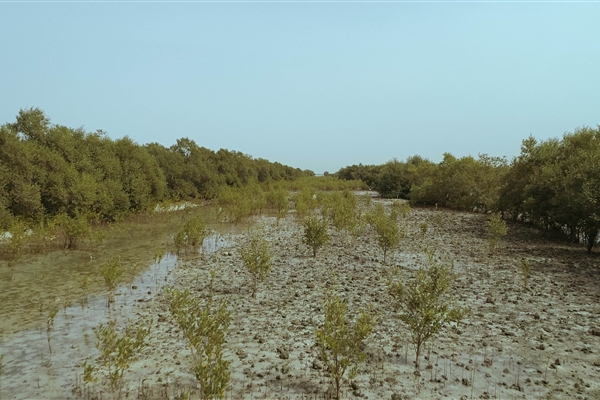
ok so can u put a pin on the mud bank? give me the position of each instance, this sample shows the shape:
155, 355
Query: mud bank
534, 341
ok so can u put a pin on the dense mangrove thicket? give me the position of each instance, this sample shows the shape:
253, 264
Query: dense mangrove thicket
554, 184
48, 170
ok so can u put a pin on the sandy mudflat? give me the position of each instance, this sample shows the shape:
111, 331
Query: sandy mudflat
535, 342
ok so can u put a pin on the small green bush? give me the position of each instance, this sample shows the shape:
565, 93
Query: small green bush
18, 239
423, 227
117, 353
305, 201
388, 235
496, 228
73, 229
191, 234
525, 268
278, 199
257, 257
111, 272
400, 208
315, 233
340, 342
425, 301
204, 326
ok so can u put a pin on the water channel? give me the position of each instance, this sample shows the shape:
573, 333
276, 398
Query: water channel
44, 357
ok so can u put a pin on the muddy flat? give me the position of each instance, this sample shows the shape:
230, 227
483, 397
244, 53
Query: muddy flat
539, 340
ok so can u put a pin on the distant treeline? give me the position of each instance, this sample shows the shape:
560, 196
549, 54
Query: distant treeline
554, 184
48, 170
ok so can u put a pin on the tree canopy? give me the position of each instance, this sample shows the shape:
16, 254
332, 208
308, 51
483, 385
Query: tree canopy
48, 169
554, 184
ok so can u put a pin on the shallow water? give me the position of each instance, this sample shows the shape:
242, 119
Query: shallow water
42, 362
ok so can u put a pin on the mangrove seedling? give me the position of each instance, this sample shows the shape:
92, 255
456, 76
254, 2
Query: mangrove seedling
191, 235
74, 230
340, 342
257, 257
423, 227
159, 253
50, 325
89, 375
425, 302
117, 352
525, 268
111, 271
204, 327
315, 233
496, 228
278, 199
387, 233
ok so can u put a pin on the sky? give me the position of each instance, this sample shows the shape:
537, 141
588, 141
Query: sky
315, 85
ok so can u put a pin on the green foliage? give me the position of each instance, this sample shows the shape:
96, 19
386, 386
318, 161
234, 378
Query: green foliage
89, 373
257, 257
554, 185
375, 213
234, 206
425, 302
464, 183
48, 170
496, 228
393, 180
117, 353
204, 326
50, 325
305, 201
386, 230
423, 227
159, 254
341, 208
315, 233
19, 236
111, 272
278, 199
340, 342
525, 268
191, 234
73, 230
6, 218
400, 208
324, 183
237, 204
369, 174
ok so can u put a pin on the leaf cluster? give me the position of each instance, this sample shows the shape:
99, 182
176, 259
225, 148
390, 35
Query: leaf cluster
424, 301
111, 272
315, 233
496, 228
204, 326
386, 229
117, 352
191, 234
340, 341
258, 258
278, 199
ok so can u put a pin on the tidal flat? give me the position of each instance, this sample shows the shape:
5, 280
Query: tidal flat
534, 340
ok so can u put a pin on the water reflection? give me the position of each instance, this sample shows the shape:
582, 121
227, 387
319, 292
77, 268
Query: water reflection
31, 371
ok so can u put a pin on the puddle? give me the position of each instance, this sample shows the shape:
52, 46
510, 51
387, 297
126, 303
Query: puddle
30, 370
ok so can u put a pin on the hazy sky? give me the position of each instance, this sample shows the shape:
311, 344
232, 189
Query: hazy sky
317, 85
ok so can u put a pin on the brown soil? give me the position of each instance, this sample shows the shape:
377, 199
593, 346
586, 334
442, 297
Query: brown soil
536, 341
